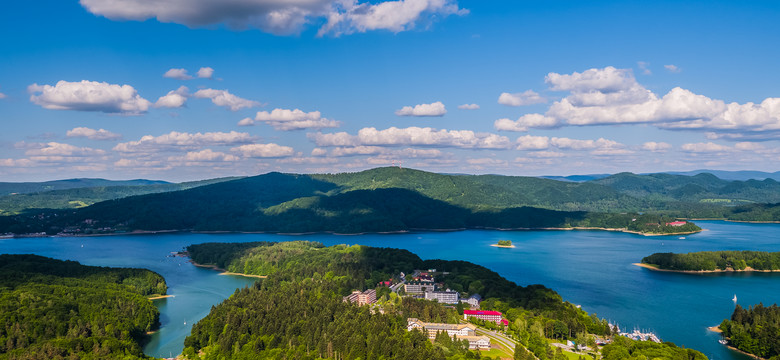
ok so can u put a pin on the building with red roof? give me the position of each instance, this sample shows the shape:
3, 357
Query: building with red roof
487, 315
676, 223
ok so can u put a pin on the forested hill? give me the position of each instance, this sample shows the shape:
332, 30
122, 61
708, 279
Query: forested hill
7, 188
53, 309
87, 192
292, 203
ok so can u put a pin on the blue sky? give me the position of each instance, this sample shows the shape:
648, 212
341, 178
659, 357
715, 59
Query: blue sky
177, 90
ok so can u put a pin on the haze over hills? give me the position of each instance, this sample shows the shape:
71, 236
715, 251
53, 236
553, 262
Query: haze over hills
7, 188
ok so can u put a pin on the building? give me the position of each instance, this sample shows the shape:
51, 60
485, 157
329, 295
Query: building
458, 331
473, 300
676, 223
494, 316
419, 287
444, 297
361, 298
477, 342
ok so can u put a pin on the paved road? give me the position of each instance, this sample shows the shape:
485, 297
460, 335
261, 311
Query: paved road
502, 339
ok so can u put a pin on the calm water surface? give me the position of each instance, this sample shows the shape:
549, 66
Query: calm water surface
589, 268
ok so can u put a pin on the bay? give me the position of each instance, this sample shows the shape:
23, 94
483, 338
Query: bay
589, 268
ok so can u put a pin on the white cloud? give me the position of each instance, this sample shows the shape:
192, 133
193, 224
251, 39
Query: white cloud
264, 150
547, 154
575, 144
672, 68
142, 164
174, 99
393, 136
349, 16
656, 146
605, 80
708, 147
279, 16
55, 149
319, 152
433, 109
177, 141
88, 96
487, 162
179, 74
226, 99
206, 155
93, 134
285, 120
2, 96
205, 73
530, 142
645, 67
307, 160
468, 107
356, 150
749, 146
525, 122
16, 163
529, 97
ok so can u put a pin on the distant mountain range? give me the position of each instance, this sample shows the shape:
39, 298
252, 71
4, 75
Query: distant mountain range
391, 199
8, 188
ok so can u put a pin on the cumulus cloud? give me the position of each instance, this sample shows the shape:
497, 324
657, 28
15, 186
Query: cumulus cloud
656, 146
16, 163
613, 96
205, 73
350, 16
54, 151
264, 150
286, 120
226, 99
280, 17
708, 147
393, 136
174, 141
88, 96
179, 74
468, 107
433, 109
672, 68
525, 122
206, 155
92, 134
529, 97
174, 99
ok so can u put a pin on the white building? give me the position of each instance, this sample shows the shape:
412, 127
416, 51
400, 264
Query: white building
473, 300
419, 287
444, 297
458, 331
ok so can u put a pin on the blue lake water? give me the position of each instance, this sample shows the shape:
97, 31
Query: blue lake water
590, 268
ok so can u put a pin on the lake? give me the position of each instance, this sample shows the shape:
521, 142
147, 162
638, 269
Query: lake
589, 268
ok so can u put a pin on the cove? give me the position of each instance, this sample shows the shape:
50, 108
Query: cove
589, 268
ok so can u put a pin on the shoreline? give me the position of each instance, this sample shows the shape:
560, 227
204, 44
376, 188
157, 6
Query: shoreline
161, 297
225, 272
156, 232
715, 329
717, 271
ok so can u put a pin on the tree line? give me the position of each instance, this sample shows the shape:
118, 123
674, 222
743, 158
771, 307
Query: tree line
715, 260
755, 330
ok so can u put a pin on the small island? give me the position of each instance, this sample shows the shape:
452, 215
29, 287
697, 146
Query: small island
713, 261
504, 244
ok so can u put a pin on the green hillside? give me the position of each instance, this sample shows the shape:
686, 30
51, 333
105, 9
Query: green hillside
72, 198
292, 203
7, 188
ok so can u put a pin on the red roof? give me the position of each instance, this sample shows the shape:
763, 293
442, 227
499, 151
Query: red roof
481, 312
676, 223
505, 322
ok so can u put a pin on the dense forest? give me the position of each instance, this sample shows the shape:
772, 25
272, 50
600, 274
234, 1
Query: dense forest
296, 203
755, 330
626, 349
53, 309
715, 260
298, 312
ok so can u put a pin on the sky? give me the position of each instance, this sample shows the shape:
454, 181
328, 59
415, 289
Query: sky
183, 90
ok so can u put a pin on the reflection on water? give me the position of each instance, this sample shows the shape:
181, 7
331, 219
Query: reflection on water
589, 268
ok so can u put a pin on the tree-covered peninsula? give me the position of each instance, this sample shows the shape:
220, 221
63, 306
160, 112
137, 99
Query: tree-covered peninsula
755, 330
53, 309
298, 311
713, 261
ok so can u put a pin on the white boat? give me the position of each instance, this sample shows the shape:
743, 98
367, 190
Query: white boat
682, 237
735, 298
722, 341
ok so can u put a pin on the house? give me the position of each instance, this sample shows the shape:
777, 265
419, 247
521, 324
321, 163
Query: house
444, 297
477, 342
494, 316
473, 300
361, 298
676, 223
